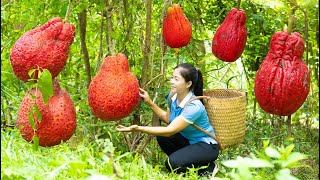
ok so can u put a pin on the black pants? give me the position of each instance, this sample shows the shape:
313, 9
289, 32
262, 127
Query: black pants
182, 155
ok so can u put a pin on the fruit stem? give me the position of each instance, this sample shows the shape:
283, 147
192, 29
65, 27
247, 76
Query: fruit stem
68, 12
291, 16
238, 4
177, 54
289, 126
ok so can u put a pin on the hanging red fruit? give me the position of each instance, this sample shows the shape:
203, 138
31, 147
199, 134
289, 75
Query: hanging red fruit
58, 121
282, 82
176, 30
114, 91
46, 46
230, 38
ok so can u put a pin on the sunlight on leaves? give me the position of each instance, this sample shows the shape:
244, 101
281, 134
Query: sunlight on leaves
292, 160
31, 73
272, 152
285, 174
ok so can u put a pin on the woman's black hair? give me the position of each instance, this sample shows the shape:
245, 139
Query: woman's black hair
190, 73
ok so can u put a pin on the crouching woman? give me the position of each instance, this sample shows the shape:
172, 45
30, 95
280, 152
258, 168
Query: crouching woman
185, 145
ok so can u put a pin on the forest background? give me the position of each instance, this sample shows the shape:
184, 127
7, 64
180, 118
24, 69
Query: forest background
273, 147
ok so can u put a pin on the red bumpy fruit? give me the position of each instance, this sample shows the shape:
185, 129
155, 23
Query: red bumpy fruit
176, 30
114, 91
282, 82
58, 121
46, 46
230, 38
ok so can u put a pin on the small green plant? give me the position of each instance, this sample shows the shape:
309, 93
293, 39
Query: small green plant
42, 79
271, 163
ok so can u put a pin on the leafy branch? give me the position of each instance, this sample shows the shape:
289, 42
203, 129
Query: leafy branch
39, 79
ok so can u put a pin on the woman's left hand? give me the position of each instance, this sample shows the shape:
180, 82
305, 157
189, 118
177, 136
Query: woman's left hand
132, 128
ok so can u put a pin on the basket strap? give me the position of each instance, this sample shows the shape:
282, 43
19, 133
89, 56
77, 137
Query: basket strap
199, 128
209, 134
195, 98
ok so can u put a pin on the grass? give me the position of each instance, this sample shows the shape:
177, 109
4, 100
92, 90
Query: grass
96, 159
81, 158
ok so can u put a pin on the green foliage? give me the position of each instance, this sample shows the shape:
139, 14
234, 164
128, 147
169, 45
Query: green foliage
270, 164
20, 160
89, 153
76, 159
81, 159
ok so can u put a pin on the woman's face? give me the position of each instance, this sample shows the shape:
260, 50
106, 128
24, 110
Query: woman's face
178, 83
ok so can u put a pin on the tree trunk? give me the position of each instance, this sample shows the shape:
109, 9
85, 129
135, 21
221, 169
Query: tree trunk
155, 119
126, 25
145, 62
101, 37
146, 48
83, 28
110, 46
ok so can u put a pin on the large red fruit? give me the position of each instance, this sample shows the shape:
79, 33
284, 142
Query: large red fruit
230, 38
58, 121
114, 91
46, 46
176, 30
282, 82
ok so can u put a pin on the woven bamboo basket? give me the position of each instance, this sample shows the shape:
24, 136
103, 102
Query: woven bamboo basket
226, 109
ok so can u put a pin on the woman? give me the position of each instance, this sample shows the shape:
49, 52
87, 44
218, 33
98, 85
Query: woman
185, 146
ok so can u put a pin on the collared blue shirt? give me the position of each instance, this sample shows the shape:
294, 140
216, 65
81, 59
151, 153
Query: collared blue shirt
193, 113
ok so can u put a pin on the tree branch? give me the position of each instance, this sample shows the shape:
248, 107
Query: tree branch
83, 28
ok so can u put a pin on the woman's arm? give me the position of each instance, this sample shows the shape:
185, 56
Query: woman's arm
174, 127
156, 109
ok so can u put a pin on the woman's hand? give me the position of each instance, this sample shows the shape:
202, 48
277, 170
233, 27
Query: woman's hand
132, 128
145, 96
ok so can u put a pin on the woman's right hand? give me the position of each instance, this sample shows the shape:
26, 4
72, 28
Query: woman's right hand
132, 128
145, 96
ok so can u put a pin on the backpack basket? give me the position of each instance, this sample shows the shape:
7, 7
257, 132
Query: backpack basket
226, 110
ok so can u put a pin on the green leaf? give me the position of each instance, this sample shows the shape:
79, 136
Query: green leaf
285, 174
77, 165
144, 164
31, 73
30, 84
257, 17
288, 150
265, 144
272, 152
45, 85
239, 162
293, 159
35, 142
31, 118
38, 113
258, 163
